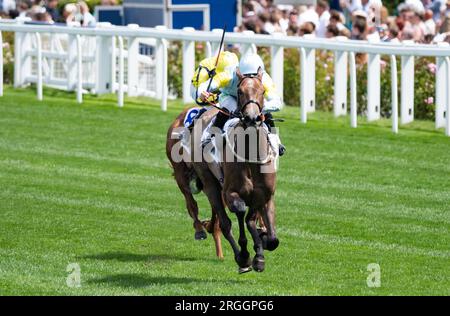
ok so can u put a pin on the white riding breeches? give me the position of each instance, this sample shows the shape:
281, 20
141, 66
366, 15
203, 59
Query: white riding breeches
228, 102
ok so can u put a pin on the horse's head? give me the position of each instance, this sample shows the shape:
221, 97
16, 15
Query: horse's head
250, 97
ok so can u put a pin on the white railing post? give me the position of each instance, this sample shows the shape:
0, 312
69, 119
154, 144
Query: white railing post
407, 99
1, 64
303, 106
353, 99
79, 70
373, 86
120, 89
208, 49
206, 19
188, 66
394, 90
51, 61
105, 64
441, 89
71, 62
447, 114
340, 81
22, 63
39, 67
311, 76
132, 64
164, 81
248, 48
277, 66
215, 45
159, 57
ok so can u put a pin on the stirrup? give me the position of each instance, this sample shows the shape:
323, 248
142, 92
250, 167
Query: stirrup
207, 141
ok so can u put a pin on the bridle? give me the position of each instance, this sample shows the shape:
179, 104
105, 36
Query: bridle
242, 107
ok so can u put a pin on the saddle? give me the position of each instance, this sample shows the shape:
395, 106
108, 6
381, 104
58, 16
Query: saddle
192, 115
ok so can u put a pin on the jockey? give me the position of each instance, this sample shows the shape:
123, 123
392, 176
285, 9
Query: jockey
222, 76
226, 83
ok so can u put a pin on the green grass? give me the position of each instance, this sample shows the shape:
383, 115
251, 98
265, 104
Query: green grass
91, 185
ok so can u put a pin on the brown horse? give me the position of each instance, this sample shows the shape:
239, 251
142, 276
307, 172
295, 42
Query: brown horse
185, 174
251, 182
245, 184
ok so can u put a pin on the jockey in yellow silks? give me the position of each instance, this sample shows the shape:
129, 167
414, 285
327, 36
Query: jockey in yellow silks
225, 84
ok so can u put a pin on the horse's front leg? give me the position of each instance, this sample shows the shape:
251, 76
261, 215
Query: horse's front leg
270, 241
258, 261
243, 258
237, 206
213, 190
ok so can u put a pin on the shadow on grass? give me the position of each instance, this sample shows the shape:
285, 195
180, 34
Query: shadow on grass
141, 280
134, 257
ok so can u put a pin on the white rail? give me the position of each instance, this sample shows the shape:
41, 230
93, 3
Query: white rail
344, 50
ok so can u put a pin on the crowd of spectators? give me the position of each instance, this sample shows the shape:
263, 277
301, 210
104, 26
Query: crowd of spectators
421, 21
50, 11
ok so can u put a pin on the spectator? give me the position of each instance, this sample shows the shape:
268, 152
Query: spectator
393, 35
309, 14
23, 7
359, 29
108, 2
268, 27
323, 12
350, 6
345, 32
436, 7
337, 19
430, 24
307, 28
418, 20
51, 7
68, 15
445, 25
83, 16
6, 6
332, 31
275, 22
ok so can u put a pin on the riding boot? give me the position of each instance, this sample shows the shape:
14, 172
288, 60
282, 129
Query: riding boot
218, 123
271, 125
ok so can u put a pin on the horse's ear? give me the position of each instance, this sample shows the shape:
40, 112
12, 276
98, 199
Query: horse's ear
238, 74
260, 73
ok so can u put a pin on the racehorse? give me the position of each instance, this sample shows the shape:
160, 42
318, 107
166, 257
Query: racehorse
185, 174
245, 183
251, 182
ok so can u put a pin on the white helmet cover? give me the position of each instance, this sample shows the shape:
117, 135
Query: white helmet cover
250, 64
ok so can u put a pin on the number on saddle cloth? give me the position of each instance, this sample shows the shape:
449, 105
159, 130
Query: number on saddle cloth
192, 115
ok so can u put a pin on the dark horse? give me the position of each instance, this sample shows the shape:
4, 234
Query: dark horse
251, 182
185, 174
247, 183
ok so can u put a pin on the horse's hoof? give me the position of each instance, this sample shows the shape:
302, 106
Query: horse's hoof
201, 235
268, 244
258, 264
272, 244
245, 270
243, 262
